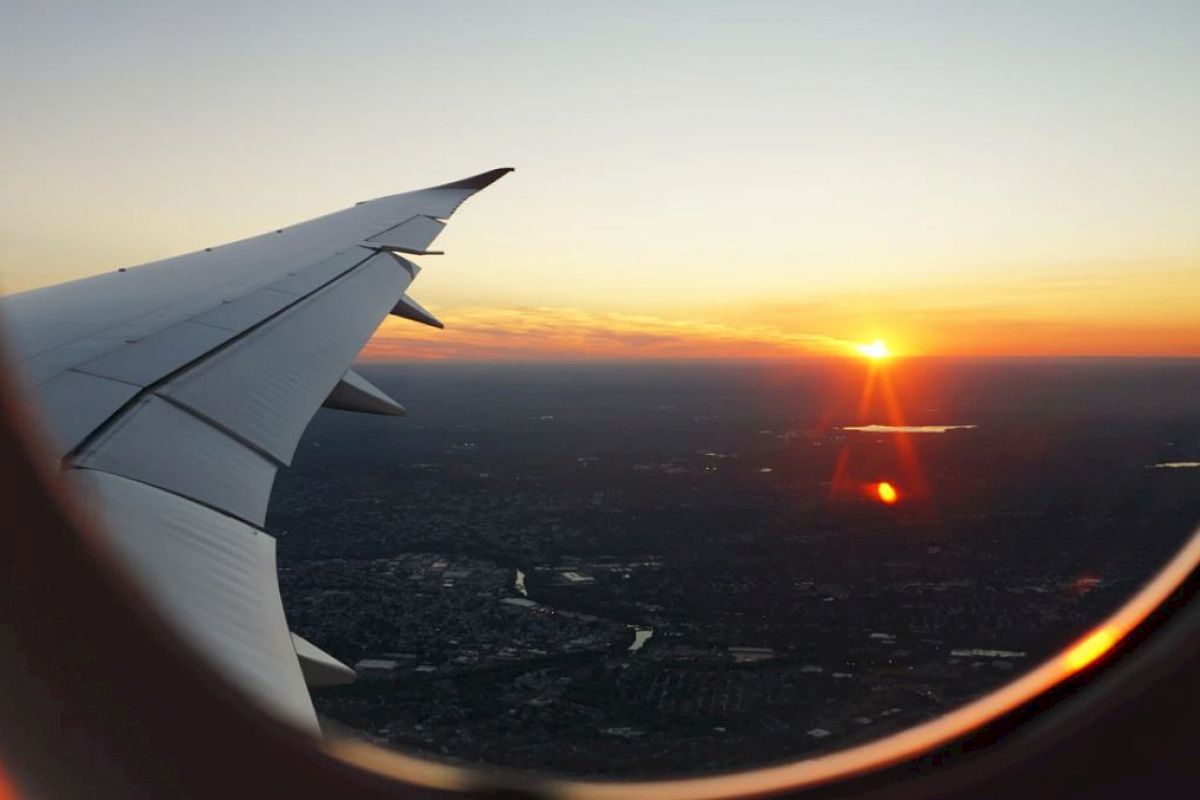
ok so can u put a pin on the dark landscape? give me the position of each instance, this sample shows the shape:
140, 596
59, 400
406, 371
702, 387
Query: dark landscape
655, 569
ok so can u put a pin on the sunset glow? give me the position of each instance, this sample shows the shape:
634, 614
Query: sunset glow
876, 350
994, 217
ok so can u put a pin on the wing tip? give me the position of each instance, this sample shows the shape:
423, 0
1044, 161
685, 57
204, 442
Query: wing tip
477, 182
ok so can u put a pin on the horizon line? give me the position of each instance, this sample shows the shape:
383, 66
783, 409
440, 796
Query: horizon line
777, 359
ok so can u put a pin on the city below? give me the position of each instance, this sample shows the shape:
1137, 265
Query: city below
652, 570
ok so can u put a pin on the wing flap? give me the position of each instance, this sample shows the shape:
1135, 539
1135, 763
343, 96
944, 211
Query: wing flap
73, 405
162, 445
264, 387
214, 577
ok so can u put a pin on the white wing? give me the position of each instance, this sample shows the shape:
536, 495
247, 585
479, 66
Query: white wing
173, 391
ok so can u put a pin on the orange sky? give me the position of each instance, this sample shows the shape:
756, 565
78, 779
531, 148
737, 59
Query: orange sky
1120, 311
563, 333
978, 179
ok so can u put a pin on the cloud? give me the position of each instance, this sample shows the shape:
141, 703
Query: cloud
553, 333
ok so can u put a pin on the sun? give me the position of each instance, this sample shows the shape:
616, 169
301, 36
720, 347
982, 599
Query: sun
876, 350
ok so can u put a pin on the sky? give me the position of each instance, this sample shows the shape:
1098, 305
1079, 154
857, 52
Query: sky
693, 180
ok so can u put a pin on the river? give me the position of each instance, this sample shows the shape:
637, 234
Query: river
640, 637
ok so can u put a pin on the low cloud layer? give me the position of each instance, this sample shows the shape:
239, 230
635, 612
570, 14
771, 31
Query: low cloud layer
553, 333
775, 331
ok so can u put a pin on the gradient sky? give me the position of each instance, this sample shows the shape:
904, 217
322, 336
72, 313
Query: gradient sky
694, 179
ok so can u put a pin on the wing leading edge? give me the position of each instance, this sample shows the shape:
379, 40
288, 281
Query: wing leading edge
174, 391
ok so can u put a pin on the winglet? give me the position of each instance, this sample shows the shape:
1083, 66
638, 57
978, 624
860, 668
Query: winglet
477, 182
355, 393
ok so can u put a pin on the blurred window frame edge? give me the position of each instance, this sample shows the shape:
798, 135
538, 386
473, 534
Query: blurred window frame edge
100, 698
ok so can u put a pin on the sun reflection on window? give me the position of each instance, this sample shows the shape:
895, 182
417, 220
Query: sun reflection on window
886, 493
1089, 649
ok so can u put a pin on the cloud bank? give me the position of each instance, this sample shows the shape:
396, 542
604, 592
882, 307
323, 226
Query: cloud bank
555, 333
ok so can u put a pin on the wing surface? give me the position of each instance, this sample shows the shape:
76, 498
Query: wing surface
174, 391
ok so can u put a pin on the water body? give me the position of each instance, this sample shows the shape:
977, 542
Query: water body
907, 428
640, 637
976, 652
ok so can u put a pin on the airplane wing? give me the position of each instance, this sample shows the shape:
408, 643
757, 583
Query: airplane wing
173, 391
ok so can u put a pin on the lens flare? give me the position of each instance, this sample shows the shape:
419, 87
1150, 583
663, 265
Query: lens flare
886, 493
876, 350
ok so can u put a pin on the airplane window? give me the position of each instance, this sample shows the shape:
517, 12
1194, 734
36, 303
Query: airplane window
826, 384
